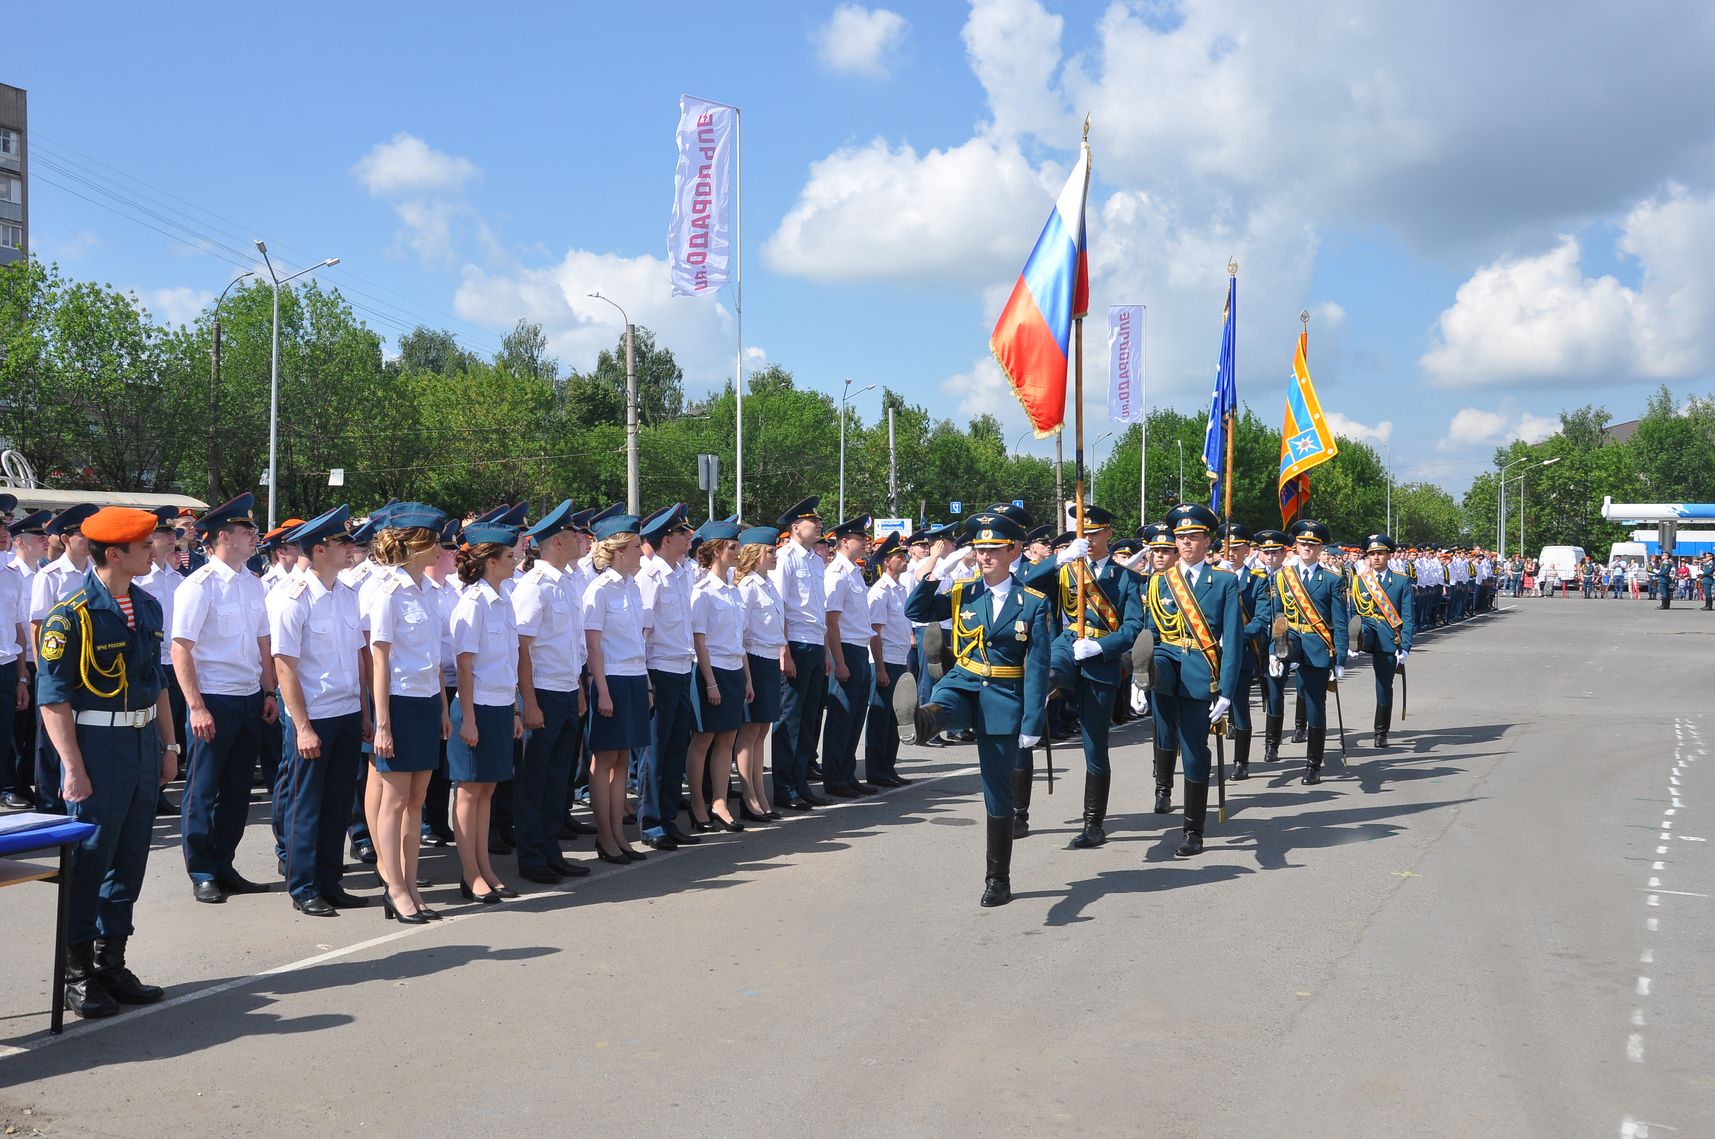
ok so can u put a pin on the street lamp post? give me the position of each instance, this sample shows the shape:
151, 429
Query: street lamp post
1181, 470
1501, 526
633, 477
1095, 466
274, 373
845, 394
1526, 471
214, 394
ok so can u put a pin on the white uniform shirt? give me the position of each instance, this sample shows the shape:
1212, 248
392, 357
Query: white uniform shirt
14, 610
404, 617
717, 612
613, 607
848, 596
798, 579
274, 577
666, 593
483, 625
887, 614
764, 617
222, 613
161, 582
320, 628
52, 584
443, 596
549, 612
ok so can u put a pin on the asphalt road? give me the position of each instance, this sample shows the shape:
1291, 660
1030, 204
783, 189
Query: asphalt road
1501, 926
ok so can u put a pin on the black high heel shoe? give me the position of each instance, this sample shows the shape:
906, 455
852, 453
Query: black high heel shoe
470, 895
612, 859
698, 826
719, 823
506, 891
391, 913
750, 816
634, 855
432, 915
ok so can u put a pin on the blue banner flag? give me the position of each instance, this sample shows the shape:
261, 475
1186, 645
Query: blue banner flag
1224, 401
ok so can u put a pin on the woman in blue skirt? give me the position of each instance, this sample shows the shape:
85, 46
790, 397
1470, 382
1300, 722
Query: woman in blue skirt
410, 706
619, 678
765, 653
723, 684
485, 712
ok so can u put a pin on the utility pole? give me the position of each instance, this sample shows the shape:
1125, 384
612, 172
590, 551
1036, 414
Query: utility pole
892, 470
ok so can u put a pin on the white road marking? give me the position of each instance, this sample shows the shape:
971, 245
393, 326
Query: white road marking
1676, 893
1635, 1047
1643, 986
1653, 925
1647, 957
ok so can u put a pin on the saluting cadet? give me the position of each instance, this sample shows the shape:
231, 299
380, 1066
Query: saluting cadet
99, 689
798, 578
890, 648
549, 609
226, 670
1383, 599
723, 675
938, 542
1311, 599
1084, 659
1271, 555
847, 613
619, 678
765, 656
1194, 610
1253, 587
664, 581
316, 635
998, 685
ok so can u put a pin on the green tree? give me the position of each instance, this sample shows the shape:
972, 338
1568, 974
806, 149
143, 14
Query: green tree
660, 380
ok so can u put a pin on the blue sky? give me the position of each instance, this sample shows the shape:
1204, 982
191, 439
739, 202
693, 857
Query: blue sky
1492, 212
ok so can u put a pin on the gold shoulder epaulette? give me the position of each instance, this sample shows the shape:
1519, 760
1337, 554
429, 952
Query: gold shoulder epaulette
390, 585
1222, 569
295, 588
201, 573
1034, 592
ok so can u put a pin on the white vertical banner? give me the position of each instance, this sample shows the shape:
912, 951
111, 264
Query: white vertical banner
699, 238
1125, 356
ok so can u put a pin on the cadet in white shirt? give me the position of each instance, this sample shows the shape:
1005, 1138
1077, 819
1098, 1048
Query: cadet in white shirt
765, 654
411, 720
798, 579
29, 546
550, 663
890, 645
161, 582
226, 671
723, 681
619, 678
848, 636
14, 684
664, 581
317, 638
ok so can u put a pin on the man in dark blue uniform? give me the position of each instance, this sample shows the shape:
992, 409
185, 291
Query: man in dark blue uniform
1307, 605
1162, 555
1664, 580
998, 684
1085, 659
1236, 540
1271, 550
1193, 609
99, 688
1706, 580
1382, 600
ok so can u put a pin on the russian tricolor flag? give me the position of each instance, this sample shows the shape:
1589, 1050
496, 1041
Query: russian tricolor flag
1032, 340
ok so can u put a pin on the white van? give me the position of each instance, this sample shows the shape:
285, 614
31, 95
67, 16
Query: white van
1564, 560
1628, 553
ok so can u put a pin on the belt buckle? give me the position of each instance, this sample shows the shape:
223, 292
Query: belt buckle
135, 718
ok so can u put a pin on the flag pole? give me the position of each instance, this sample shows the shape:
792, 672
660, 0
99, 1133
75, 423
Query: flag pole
1233, 415
738, 308
1078, 395
1143, 432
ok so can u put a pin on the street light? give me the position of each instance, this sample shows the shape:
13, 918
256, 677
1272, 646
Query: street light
274, 373
1527, 470
1181, 443
214, 393
845, 394
633, 479
1095, 466
1501, 526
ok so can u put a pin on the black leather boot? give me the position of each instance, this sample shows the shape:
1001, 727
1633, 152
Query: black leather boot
1021, 784
1384, 721
1163, 781
930, 720
121, 983
997, 885
1271, 726
1313, 759
1242, 754
1196, 810
1300, 717
84, 994
1095, 811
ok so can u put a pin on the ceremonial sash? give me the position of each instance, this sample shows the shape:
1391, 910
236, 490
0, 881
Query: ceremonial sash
968, 638
1096, 599
1380, 604
1203, 638
1289, 582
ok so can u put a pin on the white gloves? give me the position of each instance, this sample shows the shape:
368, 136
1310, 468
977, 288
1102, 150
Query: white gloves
1076, 550
1353, 654
1029, 741
950, 563
1339, 672
1276, 667
1086, 647
1403, 653
1139, 700
1219, 709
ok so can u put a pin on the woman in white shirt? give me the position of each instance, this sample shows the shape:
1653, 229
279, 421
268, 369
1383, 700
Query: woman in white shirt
485, 714
723, 685
410, 705
619, 679
765, 653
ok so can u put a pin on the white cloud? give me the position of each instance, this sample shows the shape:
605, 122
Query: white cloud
180, 304
406, 165
963, 215
860, 41
1535, 428
1474, 427
1352, 429
1014, 49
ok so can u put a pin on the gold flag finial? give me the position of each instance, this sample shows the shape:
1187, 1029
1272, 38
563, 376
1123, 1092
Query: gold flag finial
1304, 315
1086, 126
1232, 266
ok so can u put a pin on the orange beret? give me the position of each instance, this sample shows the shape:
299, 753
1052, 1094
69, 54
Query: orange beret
117, 525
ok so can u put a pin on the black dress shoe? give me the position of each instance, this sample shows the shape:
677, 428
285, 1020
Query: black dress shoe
280, 867
15, 801
630, 819
1241, 770
314, 907
702, 827
815, 770
665, 842
238, 884
207, 892
750, 816
540, 874
363, 852
438, 836
614, 859
933, 741
577, 826
568, 869
488, 899
341, 900
1311, 778
798, 803
840, 791
164, 807
814, 799
682, 838
634, 855
866, 788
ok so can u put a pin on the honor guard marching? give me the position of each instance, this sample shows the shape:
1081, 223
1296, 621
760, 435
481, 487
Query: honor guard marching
1085, 658
1194, 611
998, 685
1308, 607
102, 704
1271, 548
1236, 540
1382, 600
